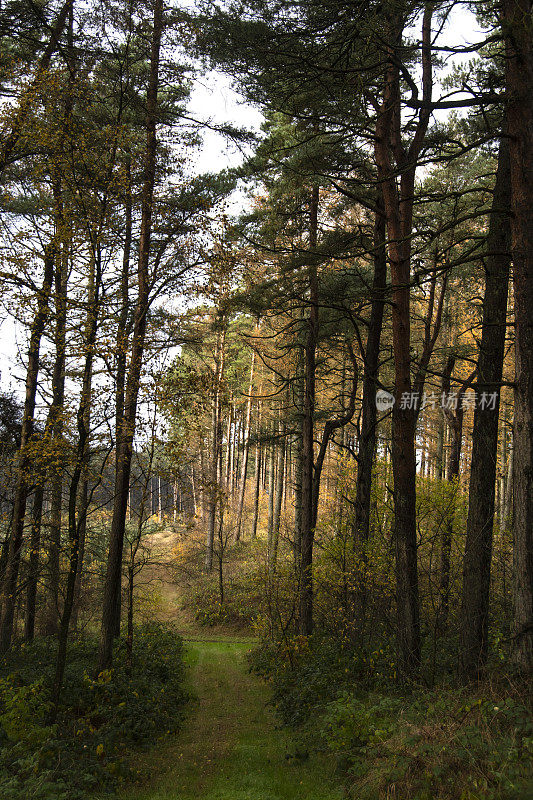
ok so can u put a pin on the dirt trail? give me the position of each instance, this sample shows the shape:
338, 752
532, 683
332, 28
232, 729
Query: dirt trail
230, 748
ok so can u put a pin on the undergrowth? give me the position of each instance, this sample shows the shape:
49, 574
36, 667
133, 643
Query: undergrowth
101, 720
444, 743
234, 600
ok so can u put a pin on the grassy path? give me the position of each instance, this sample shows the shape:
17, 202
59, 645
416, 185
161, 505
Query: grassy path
229, 748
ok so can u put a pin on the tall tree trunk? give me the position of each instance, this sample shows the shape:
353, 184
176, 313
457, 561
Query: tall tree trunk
130, 591
298, 458
398, 185
271, 483
257, 488
230, 449
76, 517
308, 426
123, 333
83, 502
51, 622
53, 433
478, 550
257, 491
507, 511
517, 25
247, 428
235, 457
455, 420
439, 455
202, 485
122, 327
367, 441
216, 444
278, 497
125, 441
93, 290
33, 566
9, 588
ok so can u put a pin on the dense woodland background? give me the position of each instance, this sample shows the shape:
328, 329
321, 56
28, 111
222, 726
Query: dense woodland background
198, 387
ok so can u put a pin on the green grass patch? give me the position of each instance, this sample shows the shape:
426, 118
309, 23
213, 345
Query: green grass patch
231, 747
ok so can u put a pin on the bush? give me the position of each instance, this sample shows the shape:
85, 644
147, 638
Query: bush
447, 743
243, 586
100, 719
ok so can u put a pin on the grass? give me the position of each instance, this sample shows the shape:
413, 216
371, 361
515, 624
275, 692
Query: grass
230, 748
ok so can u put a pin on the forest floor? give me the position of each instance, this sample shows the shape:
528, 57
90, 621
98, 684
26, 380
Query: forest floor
229, 747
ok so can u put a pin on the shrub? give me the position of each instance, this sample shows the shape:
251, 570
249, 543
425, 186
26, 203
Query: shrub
413, 743
100, 720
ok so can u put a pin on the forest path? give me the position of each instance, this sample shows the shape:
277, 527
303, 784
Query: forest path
229, 747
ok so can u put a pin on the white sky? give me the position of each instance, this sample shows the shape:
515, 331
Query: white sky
214, 101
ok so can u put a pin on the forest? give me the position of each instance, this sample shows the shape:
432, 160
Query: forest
266, 416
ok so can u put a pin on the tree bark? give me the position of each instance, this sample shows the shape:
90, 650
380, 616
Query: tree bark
278, 497
518, 27
125, 441
93, 290
367, 440
298, 458
474, 623
76, 515
308, 424
51, 622
271, 484
398, 185
247, 428
455, 420
216, 444
33, 567
258, 458
122, 327
9, 587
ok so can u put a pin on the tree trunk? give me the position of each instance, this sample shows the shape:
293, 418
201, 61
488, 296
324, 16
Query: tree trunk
308, 427
257, 491
278, 498
122, 327
518, 21
216, 433
298, 459
257, 488
125, 440
271, 484
77, 515
93, 290
367, 441
230, 450
33, 567
478, 549
247, 428
455, 420
398, 185
83, 503
507, 510
56, 430
9, 587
